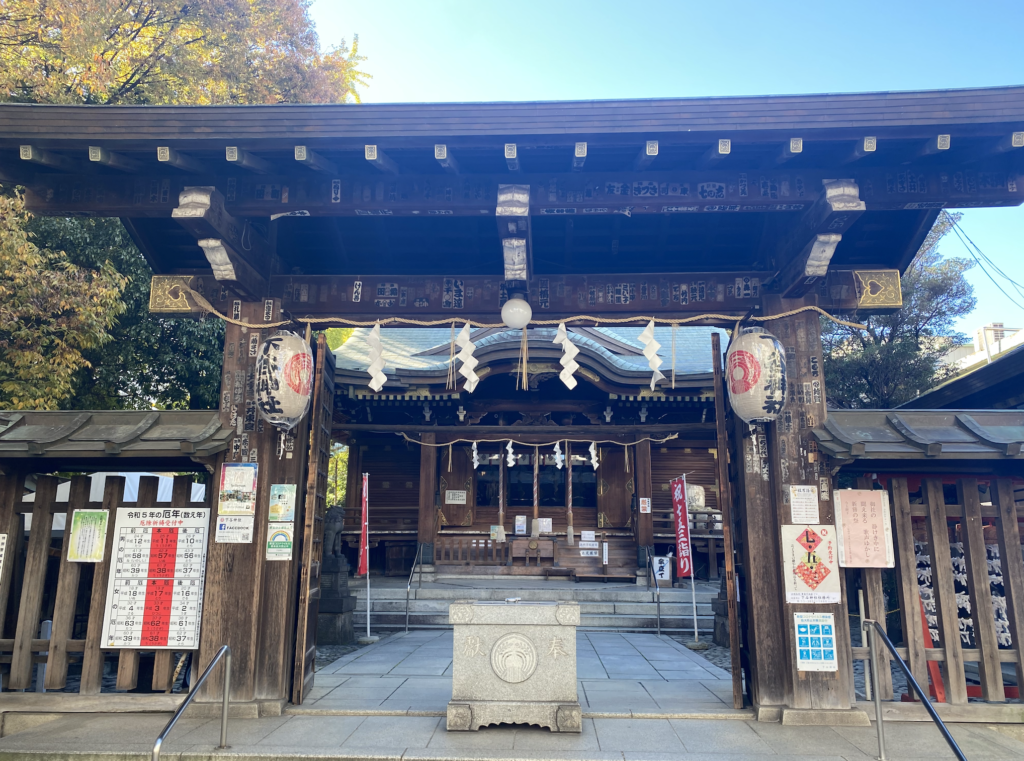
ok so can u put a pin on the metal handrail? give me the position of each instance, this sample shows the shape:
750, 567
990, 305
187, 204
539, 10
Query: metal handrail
225, 653
877, 629
657, 586
408, 587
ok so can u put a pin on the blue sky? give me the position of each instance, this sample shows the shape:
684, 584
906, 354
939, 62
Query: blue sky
466, 50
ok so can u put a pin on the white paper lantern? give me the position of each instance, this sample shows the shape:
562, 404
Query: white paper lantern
756, 375
284, 379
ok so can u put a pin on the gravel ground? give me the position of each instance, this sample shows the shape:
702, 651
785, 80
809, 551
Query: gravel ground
328, 654
720, 656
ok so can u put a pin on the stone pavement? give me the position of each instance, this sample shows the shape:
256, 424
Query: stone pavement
109, 737
622, 675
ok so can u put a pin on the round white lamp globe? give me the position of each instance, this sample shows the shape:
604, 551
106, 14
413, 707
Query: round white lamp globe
516, 313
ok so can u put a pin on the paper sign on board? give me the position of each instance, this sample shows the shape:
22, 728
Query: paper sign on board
587, 536
803, 504
520, 525
815, 642
282, 503
645, 505
280, 540
454, 497
545, 525
234, 529
88, 536
864, 530
810, 564
237, 489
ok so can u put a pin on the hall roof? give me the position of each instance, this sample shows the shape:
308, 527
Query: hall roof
922, 435
420, 355
995, 385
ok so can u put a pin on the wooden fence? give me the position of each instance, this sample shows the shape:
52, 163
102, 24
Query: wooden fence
940, 547
29, 592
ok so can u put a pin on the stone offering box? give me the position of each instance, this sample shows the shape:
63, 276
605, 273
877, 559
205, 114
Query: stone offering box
514, 663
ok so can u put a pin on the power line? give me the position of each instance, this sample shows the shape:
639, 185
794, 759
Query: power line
981, 259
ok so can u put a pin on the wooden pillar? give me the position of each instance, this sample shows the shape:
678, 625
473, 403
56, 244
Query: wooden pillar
874, 595
248, 603
568, 494
644, 490
536, 489
794, 460
428, 488
761, 590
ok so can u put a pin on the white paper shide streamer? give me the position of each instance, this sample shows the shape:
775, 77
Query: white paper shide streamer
593, 454
568, 360
559, 457
651, 352
469, 362
511, 459
376, 367
476, 457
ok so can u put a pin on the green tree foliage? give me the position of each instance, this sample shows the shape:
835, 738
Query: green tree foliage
52, 313
337, 336
897, 357
149, 52
337, 475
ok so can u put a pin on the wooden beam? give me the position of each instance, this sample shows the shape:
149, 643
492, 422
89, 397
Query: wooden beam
579, 157
92, 658
944, 590
725, 488
594, 193
716, 153
1008, 534
906, 579
793, 147
512, 215
934, 145
47, 158
314, 160
100, 155
804, 256
201, 211
445, 158
238, 157
976, 561
864, 147
375, 156
646, 156
166, 155
66, 598
512, 157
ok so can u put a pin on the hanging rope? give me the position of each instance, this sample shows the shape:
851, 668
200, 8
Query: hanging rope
651, 439
524, 358
724, 319
451, 361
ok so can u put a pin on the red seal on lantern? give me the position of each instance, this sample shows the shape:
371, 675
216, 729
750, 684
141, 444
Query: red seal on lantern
298, 373
744, 371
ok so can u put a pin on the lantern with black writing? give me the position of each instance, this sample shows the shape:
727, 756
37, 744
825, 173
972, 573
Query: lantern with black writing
756, 375
284, 379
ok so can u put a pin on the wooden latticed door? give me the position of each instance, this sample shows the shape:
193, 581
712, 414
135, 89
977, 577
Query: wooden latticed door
313, 529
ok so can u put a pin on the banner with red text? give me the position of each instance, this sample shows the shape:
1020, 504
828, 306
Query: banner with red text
684, 558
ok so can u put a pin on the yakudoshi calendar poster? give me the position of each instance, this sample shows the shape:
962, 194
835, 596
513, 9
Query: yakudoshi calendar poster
155, 588
864, 529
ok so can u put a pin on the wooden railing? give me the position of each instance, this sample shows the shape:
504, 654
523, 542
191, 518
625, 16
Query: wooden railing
39, 592
470, 551
934, 531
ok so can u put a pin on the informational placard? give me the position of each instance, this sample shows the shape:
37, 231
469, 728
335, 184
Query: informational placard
587, 536
815, 642
235, 529
589, 553
282, 503
237, 489
155, 587
662, 568
810, 564
684, 558
520, 525
645, 505
588, 545
454, 497
864, 529
604, 553
88, 536
280, 540
545, 525
3, 552
498, 533
803, 504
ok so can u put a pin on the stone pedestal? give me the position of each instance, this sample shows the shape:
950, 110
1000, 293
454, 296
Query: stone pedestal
514, 663
334, 624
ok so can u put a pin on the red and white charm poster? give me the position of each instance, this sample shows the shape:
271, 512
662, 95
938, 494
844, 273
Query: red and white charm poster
684, 557
864, 529
810, 563
155, 589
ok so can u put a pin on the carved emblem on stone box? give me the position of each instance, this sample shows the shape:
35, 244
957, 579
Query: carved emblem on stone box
514, 658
